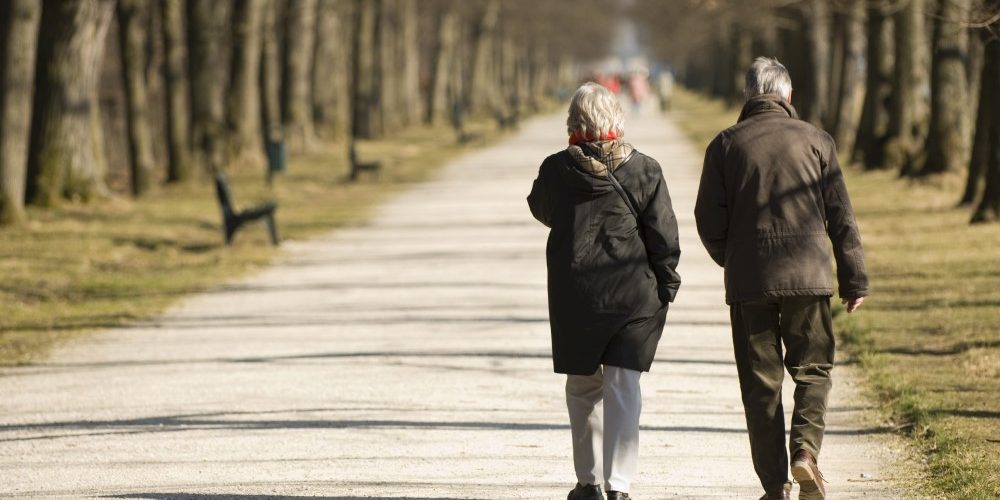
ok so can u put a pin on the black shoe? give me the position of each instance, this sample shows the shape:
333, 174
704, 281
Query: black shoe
588, 492
617, 495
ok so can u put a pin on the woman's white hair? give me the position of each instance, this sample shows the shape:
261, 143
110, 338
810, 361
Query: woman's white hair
595, 111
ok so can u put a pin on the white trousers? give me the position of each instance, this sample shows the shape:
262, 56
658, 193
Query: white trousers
605, 448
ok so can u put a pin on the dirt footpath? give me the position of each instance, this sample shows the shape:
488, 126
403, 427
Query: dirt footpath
408, 358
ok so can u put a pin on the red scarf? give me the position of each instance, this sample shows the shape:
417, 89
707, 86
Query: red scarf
577, 137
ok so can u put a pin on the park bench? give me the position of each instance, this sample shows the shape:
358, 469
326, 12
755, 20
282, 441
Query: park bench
372, 168
232, 219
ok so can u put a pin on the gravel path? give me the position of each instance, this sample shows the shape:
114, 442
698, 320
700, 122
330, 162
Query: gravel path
407, 358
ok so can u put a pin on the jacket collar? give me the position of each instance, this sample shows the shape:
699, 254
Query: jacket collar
766, 103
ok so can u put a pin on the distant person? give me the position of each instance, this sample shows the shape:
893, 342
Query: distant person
638, 87
612, 259
772, 199
665, 90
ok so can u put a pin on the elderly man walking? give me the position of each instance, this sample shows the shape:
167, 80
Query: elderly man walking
772, 198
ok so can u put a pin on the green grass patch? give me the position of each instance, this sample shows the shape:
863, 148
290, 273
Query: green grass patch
81, 268
928, 338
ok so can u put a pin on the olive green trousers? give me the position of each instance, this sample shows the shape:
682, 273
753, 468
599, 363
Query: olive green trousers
805, 326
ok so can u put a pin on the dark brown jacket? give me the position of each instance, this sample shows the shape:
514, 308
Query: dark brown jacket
608, 289
772, 199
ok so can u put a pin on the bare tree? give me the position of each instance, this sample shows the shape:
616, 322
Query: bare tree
300, 33
852, 77
270, 70
178, 92
480, 98
985, 118
19, 34
133, 18
365, 121
874, 124
947, 143
988, 209
207, 22
444, 59
67, 157
243, 116
409, 51
909, 112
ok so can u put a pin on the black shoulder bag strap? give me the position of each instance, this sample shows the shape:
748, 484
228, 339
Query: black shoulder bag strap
625, 197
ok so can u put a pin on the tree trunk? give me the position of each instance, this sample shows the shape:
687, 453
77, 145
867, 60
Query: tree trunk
985, 121
818, 22
207, 26
327, 66
387, 67
948, 141
875, 112
67, 158
839, 38
852, 77
908, 116
444, 57
989, 205
133, 18
365, 121
178, 101
480, 90
19, 35
409, 45
270, 70
300, 34
243, 99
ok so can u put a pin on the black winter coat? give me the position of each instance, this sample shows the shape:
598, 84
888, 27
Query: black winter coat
608, 292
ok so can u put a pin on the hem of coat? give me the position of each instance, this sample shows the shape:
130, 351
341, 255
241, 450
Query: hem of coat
799, 292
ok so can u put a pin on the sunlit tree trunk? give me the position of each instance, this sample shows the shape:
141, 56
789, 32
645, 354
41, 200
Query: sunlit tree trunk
300, 36
444, 58
948, 141
19, 35
207, 27
243, 114
178, 97
270, 69
908, 114
328, 68
818, 34
852, 79
67, 157
133, 19
409, 79
365, 122
481, 89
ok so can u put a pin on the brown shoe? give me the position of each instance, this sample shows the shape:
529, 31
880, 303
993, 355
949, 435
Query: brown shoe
783, 493
807, 474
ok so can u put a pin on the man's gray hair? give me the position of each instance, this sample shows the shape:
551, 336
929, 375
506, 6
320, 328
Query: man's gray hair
767, 76
595, 112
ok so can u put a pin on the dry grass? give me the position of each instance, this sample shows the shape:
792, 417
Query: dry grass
929, 336
81, 268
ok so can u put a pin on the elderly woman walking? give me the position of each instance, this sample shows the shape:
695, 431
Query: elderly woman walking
612, 258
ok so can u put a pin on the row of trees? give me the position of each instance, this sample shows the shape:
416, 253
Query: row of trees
911, 85
217, 78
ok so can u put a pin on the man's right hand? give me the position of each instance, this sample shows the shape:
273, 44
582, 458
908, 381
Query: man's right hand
853, 303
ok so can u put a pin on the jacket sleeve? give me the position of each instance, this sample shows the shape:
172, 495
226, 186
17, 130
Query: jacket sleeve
659, 225
852, 276
538, 199
710, 210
